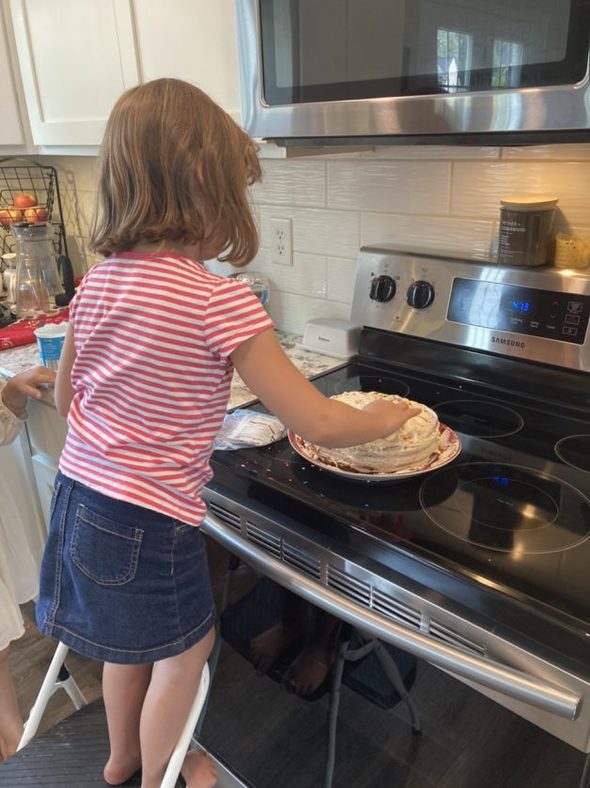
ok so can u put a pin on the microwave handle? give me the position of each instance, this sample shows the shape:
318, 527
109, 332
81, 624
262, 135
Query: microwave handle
498, 677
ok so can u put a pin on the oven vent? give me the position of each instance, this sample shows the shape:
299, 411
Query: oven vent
302, 561
387, 606
231, 518
266, 541
453, 638
349, 587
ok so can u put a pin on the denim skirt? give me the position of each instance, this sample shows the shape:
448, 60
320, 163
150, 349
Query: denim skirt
119, 582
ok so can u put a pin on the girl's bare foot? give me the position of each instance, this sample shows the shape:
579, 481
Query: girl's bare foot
308, 670
268, 646
118, 771
198, 770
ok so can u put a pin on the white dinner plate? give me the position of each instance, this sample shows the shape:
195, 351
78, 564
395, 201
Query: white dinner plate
449, 448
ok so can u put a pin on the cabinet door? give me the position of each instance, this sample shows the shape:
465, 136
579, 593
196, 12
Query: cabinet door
11, 130
20, 504
47, 430
45, 472
194, 40
76, 58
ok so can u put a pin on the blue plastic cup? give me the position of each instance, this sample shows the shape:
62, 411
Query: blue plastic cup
50, 341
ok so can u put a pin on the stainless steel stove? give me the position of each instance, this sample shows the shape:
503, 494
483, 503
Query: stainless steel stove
483, 566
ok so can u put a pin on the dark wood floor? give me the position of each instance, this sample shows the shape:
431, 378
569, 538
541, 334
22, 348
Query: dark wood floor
279, 741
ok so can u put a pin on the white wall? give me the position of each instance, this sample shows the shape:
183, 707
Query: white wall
442, 199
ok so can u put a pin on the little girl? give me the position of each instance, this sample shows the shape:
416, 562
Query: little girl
18, 568
144, 379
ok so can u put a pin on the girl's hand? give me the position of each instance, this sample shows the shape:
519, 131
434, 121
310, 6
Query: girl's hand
27, 384
393, 414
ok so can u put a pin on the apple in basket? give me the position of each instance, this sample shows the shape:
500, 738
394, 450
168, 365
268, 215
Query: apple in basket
36, 214
9, 216
24, 200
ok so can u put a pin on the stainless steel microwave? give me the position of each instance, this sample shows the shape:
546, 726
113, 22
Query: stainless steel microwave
483, 71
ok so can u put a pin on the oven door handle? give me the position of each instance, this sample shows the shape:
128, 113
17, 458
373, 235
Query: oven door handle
508, 681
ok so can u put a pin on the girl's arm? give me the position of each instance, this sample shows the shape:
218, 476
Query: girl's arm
268, 372
63, 384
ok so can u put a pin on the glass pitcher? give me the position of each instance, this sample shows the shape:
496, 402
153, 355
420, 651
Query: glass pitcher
37, 275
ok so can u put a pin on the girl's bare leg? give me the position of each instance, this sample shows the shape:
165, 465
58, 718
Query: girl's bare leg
11, 722
169, 698
124, 688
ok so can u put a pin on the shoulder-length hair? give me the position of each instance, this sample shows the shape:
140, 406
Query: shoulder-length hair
174, 167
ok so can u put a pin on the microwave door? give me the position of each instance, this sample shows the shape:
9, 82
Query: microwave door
419, 67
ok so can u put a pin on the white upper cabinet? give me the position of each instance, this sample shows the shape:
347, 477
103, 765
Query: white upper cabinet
194, 40
11, 128
76, 58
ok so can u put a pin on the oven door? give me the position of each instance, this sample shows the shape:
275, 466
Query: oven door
525, 683
391, 68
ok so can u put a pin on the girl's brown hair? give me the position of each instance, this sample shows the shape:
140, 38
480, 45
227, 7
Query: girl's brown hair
174, 168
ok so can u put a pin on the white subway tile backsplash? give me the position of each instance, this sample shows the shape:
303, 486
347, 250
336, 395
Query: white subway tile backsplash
291, 312
291, 182
415, 187
478, 186
441, 199
441, 235
341, 275
307, 275
315, 231
446, 152
83, 168
566, 152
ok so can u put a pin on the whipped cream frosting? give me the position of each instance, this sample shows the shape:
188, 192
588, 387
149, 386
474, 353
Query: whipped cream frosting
412, 446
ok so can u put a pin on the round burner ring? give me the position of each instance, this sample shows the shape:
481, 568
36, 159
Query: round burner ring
574, 450
512, 421
508, 508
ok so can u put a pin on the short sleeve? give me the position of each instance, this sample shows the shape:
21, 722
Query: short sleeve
73, 305
233, 315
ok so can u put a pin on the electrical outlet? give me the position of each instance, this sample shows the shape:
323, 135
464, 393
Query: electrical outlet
281, 243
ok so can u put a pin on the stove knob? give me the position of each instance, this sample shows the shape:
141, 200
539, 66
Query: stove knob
382, 288
420, 294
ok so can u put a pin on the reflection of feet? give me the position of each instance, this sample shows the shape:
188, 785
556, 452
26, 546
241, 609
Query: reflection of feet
309, 669
266, 648
118, 771
198, 770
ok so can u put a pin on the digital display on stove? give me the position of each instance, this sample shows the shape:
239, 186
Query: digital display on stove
521, 306
520, 310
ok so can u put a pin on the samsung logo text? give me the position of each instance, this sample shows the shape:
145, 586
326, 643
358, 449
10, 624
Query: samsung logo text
508, 342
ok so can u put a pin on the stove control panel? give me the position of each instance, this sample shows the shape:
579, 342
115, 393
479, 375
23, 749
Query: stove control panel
538, 314
520, 310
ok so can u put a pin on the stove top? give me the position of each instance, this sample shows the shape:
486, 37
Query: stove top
512, 512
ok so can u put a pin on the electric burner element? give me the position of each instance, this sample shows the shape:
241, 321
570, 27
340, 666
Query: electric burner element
480, 419
385, 384
508, 508
575, 451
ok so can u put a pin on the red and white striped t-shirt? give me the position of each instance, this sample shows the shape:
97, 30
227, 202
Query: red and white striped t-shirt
151, 378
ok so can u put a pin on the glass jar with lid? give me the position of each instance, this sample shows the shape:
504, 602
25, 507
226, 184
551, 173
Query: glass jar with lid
527, 233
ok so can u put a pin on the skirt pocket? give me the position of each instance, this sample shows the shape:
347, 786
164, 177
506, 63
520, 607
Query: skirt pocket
105, 551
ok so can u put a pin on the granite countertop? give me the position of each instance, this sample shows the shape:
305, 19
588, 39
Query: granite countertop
18, 359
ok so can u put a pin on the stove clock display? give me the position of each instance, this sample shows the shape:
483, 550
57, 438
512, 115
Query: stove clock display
520, 310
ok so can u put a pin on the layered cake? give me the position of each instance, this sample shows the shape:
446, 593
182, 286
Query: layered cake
411, 447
